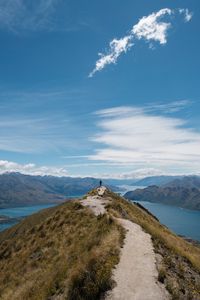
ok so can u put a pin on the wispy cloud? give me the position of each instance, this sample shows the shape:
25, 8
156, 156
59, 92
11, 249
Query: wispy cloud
164, 108
36, 170
31, 169
146, 138
151, 28
135, 174
117, 47
17, 15
32, 135
187, 14
27, 124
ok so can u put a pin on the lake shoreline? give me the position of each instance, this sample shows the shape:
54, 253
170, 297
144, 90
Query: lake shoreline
182, 221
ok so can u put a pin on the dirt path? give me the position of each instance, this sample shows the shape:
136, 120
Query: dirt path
96, 203
136, 274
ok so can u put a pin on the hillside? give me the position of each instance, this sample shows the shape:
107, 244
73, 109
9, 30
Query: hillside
17, 189
184, 192
69, 252
155, 180
185, 182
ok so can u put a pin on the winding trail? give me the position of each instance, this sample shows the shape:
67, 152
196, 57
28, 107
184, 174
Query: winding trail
136, 274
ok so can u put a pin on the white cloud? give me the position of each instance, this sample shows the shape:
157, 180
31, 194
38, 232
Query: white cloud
151, 28
114, 111
34, 170
20, 15
33, 135
187, 14
117, 47
31, 169
135, 174
152, 107
147, 140
140, 173
28, 126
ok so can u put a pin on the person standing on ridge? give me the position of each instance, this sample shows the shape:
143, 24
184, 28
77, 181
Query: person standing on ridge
100, 183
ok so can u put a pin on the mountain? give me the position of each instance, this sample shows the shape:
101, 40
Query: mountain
183, 192
155, 180
17, 189
186, 181
68, 252
117, 182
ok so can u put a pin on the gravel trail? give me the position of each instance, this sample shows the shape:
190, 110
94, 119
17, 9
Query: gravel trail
136, 274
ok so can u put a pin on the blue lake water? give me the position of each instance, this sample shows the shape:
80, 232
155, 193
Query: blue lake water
24, 211
17, 212
182, 221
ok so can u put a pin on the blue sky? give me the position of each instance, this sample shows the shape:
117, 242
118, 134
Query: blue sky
131, 112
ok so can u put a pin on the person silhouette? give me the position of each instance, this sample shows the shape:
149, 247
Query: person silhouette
100, 183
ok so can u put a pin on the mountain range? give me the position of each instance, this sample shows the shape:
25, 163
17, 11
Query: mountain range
183, 192
155, 180
17, 189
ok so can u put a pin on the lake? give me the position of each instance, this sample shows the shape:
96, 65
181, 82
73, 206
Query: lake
17, 212
182, 221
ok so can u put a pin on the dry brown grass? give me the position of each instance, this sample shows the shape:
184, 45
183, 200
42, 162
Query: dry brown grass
63, 252
180, 265
66, 252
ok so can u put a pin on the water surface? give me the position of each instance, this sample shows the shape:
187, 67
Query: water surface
182, 221
18, 212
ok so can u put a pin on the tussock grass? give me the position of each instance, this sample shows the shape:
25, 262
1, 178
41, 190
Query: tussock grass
66, 252
179, 267
63, 252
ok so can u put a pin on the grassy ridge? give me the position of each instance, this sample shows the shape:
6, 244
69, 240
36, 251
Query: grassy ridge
66, 252
178, 260
63, 252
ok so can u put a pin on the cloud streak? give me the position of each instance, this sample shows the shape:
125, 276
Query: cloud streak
117, 47
151, 28
28, 126
147, 138
31, 169
17, 15
32, 135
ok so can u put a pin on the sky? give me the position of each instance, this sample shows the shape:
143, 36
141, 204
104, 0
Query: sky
100, 88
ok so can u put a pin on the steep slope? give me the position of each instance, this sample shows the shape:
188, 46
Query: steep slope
65, 252
184, 192
69, 252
